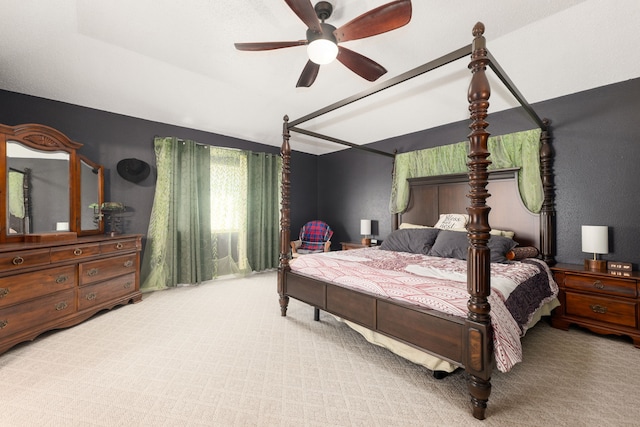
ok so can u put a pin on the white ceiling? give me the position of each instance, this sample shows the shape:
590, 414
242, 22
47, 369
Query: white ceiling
174, 62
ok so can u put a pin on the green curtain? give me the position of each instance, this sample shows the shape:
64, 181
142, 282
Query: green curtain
215, 213
520, 149
229, 211
179, 248
16, 194
263, 210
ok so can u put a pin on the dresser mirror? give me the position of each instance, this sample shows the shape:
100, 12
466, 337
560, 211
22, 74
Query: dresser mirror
91, 197
49, 188
38, 190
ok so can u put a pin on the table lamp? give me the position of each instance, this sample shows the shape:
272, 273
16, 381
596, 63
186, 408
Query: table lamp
365, 230
595, 240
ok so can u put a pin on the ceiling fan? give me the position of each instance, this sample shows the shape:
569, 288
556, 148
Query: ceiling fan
323, 39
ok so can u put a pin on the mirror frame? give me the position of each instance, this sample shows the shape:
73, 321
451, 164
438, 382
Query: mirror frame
45, 138
100, 190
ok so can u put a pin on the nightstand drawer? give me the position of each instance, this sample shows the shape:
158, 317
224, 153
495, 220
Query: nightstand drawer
601, 285
603, 309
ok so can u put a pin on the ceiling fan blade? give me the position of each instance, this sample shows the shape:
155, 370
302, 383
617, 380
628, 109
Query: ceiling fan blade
361, 65
379, 20
268, 45
305, 11
308, 75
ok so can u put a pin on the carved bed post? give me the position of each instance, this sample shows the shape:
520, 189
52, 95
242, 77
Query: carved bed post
395, 218
547, 213
479, 340
285, 217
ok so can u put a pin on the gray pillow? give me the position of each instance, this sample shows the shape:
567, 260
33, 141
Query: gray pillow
450, 244
500, 246
455, 244
413, 240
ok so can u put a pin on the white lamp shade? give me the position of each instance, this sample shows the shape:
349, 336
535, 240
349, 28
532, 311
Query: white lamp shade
595, 239
365, 227
322, 51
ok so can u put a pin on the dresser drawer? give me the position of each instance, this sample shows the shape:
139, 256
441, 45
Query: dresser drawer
22, 259
615, 311
37, 312
602, 285
21, 287
66, 253
103, 292
94, 271
123, 245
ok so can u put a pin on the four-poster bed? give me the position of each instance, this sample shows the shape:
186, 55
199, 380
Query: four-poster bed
465, 341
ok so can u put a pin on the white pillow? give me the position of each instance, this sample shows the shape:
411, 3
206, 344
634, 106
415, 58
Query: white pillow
406, 225
493, 232
452, 221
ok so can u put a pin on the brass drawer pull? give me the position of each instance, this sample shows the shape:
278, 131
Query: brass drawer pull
18, 260
128, 285
3, 323
77, 251
92, 272
91, 296
598, 308
128, 263
61, 305
598, 284
119, 245
4, 292
61, 279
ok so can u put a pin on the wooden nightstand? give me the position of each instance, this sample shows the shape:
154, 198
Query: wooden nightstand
352, 245
605, 303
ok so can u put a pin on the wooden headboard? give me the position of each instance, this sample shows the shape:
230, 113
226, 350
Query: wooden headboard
434, 195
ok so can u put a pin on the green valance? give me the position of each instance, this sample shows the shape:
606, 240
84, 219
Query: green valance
515, 150
16, 194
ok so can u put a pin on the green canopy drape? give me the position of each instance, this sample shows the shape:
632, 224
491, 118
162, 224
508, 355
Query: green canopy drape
520, 149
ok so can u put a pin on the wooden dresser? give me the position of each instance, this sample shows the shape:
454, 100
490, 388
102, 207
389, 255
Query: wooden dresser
605, 303
46, 286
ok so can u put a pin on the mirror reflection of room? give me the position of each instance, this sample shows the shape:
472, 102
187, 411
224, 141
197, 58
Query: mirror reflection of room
38, 190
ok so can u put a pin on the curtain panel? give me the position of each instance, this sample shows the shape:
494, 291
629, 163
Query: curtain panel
515, 150
215, 213
179, 248
263, 207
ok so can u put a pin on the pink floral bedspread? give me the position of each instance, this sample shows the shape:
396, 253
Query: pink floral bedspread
440, 284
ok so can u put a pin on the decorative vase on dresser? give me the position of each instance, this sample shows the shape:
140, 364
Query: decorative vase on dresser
57, 267
603, 302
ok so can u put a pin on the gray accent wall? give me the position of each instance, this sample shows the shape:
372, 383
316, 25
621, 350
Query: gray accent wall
109, 138
596, 138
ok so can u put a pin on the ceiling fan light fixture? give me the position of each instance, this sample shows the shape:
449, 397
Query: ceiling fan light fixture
322, 51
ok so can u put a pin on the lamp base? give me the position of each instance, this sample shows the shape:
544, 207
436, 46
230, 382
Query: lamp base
595, 265
366, 241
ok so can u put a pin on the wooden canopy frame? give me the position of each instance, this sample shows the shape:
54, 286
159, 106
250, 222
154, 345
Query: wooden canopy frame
477, 334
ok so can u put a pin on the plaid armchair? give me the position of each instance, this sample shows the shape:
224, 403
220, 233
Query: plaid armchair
315, 236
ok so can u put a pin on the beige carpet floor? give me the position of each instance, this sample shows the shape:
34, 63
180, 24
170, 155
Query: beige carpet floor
220, 354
